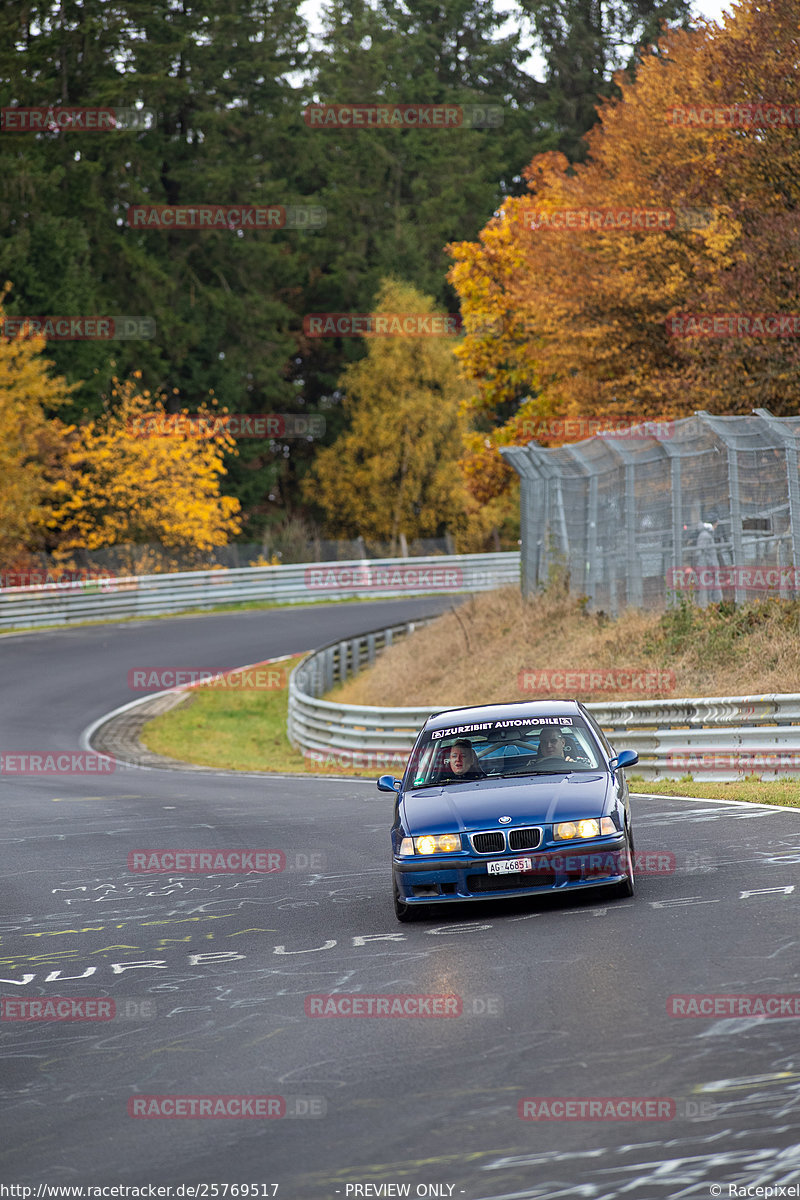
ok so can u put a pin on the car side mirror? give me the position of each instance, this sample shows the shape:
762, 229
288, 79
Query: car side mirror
388, 783
625, 758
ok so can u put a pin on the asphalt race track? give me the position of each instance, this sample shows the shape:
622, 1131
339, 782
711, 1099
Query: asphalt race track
210, 973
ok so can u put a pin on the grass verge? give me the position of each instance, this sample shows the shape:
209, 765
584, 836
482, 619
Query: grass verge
785, 792
236, 731
498, 647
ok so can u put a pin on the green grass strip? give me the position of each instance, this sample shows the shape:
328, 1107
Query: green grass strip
785, 792
235, 730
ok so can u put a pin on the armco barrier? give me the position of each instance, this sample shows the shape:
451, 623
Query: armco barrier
293, 583
713, 738
673, 738
322, 729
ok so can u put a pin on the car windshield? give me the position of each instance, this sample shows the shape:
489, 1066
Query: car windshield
500, 749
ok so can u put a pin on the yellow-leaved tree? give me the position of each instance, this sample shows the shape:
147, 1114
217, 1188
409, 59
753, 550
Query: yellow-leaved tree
395, 471
119, 482
28, 441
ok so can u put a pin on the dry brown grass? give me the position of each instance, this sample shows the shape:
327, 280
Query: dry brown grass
474, 654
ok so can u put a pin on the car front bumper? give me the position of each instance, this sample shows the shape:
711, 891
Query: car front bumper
442, 879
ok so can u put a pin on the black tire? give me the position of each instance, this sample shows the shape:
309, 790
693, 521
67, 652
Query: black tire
628, 885
404, 912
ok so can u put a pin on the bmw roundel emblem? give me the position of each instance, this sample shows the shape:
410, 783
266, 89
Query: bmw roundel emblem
504, 820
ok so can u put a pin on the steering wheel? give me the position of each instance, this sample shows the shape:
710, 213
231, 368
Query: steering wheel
575, 753
551, 762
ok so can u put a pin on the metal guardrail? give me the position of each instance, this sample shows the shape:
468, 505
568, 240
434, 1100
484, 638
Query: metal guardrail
715, 738
322, 729
292, 583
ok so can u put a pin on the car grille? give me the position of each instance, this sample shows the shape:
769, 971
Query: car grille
494, 841
506, 883
524, 839
488, 843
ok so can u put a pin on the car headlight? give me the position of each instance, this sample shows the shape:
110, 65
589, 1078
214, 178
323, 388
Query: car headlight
431, 843
568, 831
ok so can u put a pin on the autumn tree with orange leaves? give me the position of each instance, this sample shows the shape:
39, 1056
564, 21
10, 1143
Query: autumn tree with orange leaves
588, 306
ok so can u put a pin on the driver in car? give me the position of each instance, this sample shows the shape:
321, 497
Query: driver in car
463, 762
552, 745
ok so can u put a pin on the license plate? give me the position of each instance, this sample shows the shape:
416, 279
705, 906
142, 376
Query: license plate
507, 866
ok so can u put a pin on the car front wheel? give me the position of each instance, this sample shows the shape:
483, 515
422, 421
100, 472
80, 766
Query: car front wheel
628, 885
404, 912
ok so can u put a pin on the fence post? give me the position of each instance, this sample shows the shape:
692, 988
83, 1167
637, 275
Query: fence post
788, 437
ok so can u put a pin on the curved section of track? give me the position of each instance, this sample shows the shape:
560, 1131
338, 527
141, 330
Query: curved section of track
211, 973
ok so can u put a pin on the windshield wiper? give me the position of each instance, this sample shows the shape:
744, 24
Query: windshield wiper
438, 783
520, 774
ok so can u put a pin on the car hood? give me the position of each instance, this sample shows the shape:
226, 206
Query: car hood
464, 807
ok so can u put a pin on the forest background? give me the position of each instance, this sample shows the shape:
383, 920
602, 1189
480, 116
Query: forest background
558, 324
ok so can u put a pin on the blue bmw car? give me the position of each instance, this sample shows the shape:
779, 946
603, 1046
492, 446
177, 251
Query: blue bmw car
509, 800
